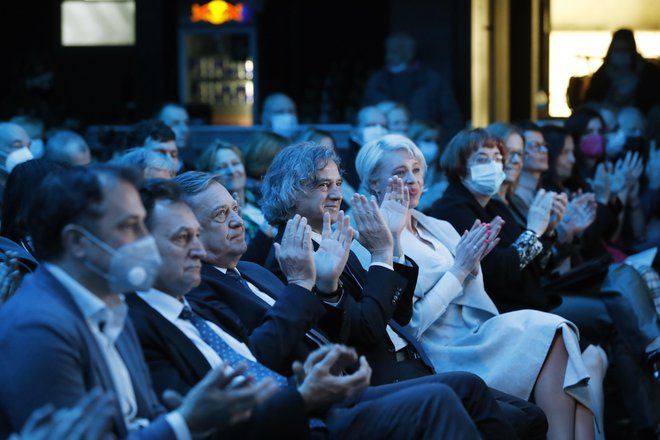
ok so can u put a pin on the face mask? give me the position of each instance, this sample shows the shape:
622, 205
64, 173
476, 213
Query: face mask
486, 179
591, 145
429, 150
20, 155
373, 132
284, 124
620, 59
133, 266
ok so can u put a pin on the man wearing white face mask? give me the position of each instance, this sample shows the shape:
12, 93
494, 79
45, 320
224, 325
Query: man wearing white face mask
370, 124
14, 146
65, 332
279, 115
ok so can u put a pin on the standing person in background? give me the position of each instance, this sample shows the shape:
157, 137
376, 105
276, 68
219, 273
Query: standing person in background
427, 94
625, 78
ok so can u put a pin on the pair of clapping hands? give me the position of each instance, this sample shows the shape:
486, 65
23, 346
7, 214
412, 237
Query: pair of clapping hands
553, 211
620, 179
378, 230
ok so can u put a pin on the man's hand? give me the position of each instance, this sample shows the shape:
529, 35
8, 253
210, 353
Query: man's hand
321, 383
372, 229
216, 402
394, 210
10, 275
296, 254
332, 254
91, 418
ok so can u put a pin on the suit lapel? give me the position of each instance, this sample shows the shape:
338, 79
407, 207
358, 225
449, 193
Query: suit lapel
99, 367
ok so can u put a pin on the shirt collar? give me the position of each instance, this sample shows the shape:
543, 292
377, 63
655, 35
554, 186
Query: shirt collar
165, 304
316, 237
109, 320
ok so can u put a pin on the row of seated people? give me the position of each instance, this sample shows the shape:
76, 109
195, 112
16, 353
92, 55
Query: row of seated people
445, 306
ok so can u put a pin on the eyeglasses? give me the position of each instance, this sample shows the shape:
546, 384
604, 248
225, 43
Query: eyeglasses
536, 147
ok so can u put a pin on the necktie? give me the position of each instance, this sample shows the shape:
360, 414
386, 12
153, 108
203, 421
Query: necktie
234, 275
227, 353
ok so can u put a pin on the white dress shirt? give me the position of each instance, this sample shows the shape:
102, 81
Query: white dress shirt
106, 324
171, 308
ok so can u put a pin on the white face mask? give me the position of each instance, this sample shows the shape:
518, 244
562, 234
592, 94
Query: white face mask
373, 132
284, 124
133, 266
20, 155
429, 150
486, 178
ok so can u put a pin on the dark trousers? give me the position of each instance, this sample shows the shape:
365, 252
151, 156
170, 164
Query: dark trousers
527, 420
421, 408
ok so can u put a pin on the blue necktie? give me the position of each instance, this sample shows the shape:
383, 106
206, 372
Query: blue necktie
227, 353
234, 275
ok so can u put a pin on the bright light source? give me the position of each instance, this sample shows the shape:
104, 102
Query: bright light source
581, 53
98, 23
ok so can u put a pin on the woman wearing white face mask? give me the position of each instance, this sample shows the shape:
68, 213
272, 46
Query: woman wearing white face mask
453, 317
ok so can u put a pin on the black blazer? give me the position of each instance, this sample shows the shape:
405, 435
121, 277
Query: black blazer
371, 300
277, 333
175, 363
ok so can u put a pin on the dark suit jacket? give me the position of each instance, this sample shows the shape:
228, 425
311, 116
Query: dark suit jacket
49, 355
277, 333
176, 363
372, 299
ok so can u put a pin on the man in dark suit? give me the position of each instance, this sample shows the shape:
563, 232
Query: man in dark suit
304, 179
64, 331
182, 340
264, 304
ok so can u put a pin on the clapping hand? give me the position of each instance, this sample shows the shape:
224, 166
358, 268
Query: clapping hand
295, 254
538, 216
320, 381
10, 275
373, 232
91, 418
580, 214
600, 184
557, 211
473, 246
220, 399
332, 254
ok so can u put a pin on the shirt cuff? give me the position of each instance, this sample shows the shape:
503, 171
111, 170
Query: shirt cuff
334, 303
178, 425
385, 265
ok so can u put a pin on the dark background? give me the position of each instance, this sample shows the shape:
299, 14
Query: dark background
318, 52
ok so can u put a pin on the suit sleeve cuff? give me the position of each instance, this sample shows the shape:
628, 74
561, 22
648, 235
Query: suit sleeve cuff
178, 425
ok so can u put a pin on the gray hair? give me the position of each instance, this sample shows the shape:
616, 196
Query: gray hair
291, 174
195, 182
142, 158
371, 155
63, 145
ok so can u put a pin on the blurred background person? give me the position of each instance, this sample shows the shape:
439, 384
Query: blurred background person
279, 115
260, 149
68, 148
427, 136
625, 78
403, 79
148, 163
